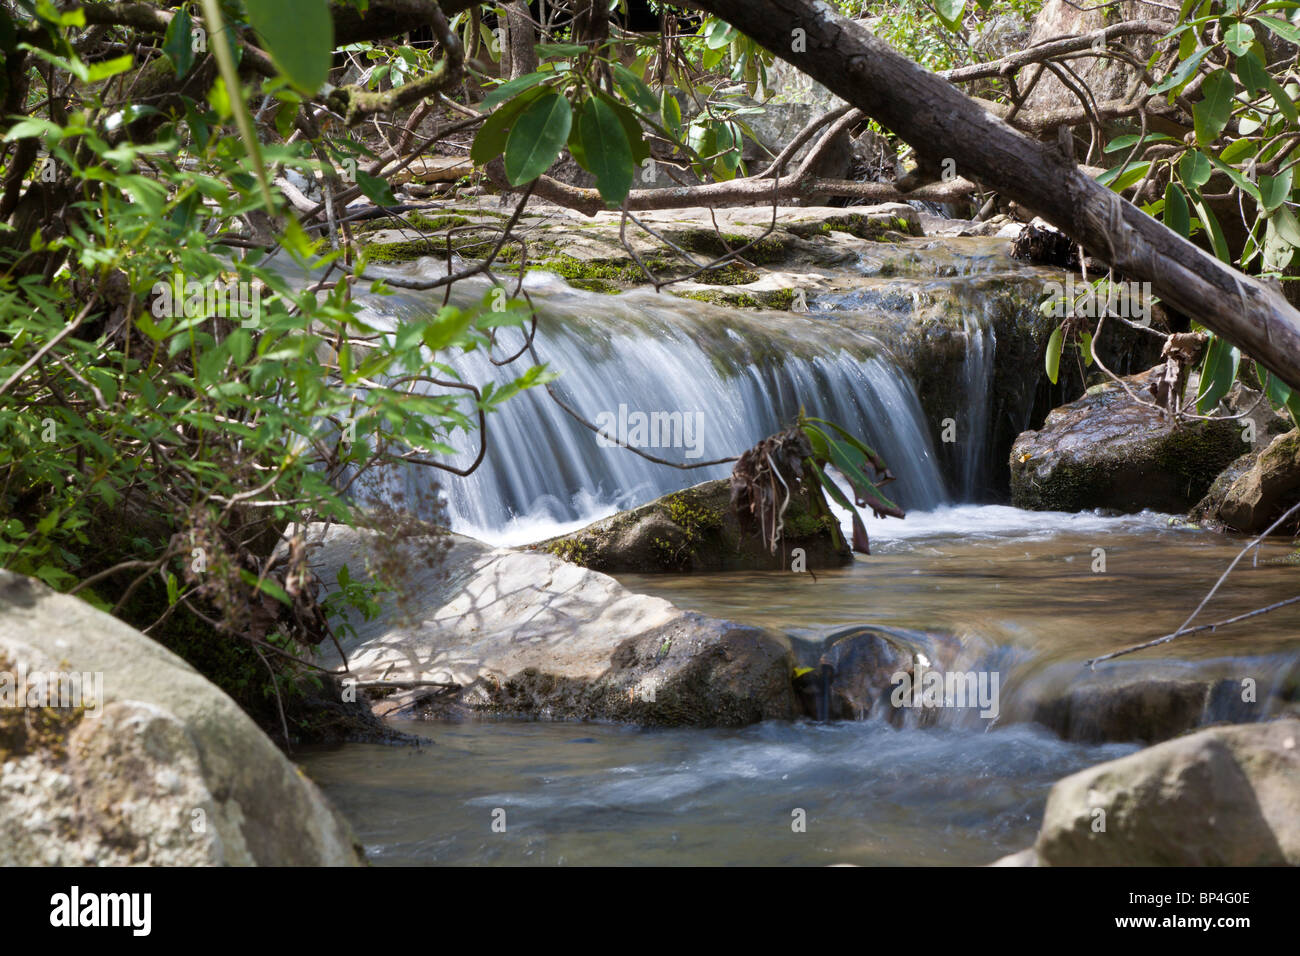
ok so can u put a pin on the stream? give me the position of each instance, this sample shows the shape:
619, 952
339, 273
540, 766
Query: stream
959, 793
1030, 595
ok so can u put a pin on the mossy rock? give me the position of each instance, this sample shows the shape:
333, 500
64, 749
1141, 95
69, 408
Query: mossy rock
1107, 451
695, 530
1261, 493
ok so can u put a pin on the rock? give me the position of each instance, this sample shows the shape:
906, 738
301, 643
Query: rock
1265, 490
854, 675
1027, 857
1108, 78
696, 530
528, 634
1206, 511
1107, 451
1134, 707
1226, 796
155, 766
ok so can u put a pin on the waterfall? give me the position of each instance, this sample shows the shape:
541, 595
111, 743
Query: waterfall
739, 375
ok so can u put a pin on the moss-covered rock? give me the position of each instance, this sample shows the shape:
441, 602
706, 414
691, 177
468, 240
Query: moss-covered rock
695, 530
1107, 451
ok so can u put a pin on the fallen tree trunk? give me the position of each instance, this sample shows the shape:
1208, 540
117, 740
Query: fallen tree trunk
940, 121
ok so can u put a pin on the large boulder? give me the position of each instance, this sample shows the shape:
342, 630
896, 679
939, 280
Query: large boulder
1107, 451
503, 632
1227, 796
1264, 491
143, 761
696, 530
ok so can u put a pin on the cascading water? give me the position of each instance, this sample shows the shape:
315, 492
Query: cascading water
737, 376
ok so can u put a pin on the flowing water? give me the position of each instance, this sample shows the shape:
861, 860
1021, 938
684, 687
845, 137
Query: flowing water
1031, 595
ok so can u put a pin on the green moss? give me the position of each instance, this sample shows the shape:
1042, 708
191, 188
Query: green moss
708, 242
778, 299
28, 730
574, 550
405, 251
856, 224
805, 524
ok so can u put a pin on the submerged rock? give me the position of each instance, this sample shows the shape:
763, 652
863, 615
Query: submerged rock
696, 530
527, 634
1107, 451
152, 765
1227, 796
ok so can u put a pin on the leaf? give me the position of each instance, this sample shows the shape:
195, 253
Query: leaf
950, 12
516, 86
1195, 169
1180, 76
1238, 39
537, 137
1274, 190
1285, 29
672, 114
1211, 224
1211, 114
299, 35
1085, 346
102, 71
1218, 372
448, 327
1251, 72
491, 139
1177, 217
376, 189
635, 89
606, 151
1053, 357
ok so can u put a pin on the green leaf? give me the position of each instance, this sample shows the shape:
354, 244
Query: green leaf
1195, 169
1053, 356
516, 86
1218, 372
447, 328
491, 139
1183, 74
178, 42
1211, 224
1177, 217
635, 89
1238, 150
376, 189
537, 137
1285, 29
606, 151
1211, 114
102, 71
1274, 190
1251, 72
266, 586
672, 114
1238, 39
950, 12
299, 35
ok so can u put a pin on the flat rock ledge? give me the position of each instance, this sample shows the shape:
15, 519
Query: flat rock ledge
506, 632
149, 763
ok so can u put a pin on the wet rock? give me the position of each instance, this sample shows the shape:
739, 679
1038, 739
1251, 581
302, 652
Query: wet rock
696, 530
154, 765
1226, 796
1146, 709
1266, 489
853, 679
1107, 451
528, 634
